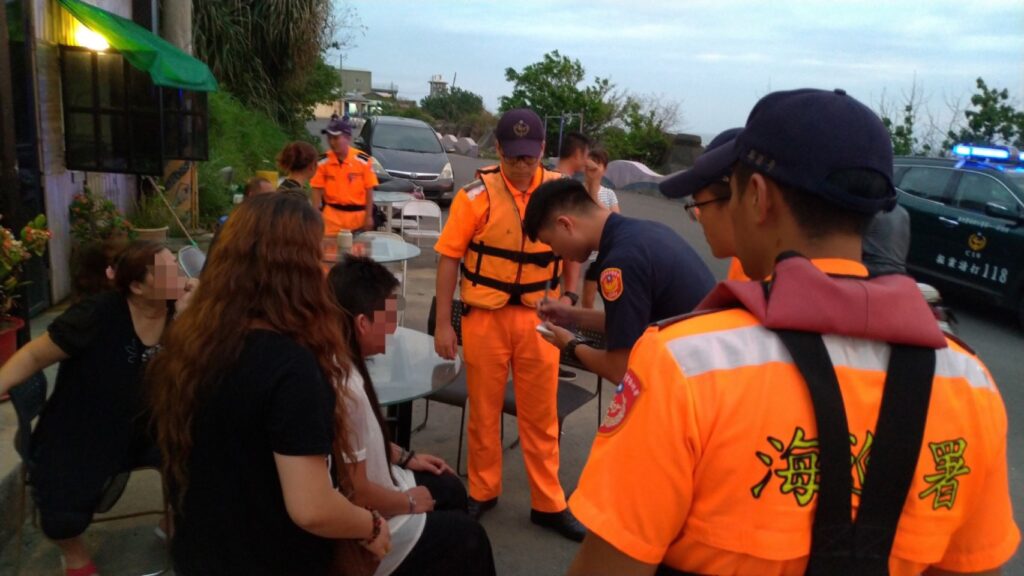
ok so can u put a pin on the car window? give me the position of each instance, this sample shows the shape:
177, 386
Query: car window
409, 138
975, 190
926, 182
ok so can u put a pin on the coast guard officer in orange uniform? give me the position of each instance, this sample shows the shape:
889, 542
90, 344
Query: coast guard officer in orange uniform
817, 422
344, 182
504, 277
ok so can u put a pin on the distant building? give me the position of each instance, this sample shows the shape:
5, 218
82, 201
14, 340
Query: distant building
437, 85
360, 96
353, 80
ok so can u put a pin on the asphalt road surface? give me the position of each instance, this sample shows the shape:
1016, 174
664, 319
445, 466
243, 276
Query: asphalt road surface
992, 333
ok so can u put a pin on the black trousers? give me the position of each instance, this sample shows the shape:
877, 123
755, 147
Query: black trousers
448, 491
452, 542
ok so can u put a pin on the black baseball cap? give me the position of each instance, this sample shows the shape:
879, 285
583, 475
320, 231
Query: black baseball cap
338, 126
520, 133
711, 166
801, 137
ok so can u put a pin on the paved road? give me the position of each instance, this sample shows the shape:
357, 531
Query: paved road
993, 334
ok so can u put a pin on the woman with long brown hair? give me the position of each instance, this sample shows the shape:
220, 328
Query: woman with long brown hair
94, 425
244, 407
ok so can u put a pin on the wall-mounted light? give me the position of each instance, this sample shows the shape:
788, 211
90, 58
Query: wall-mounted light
86, 38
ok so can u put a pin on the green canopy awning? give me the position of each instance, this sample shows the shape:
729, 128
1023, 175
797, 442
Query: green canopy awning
166, 64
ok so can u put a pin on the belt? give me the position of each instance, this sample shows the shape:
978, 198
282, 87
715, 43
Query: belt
347, 207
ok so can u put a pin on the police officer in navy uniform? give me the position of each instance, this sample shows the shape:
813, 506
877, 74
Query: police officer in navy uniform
647, 273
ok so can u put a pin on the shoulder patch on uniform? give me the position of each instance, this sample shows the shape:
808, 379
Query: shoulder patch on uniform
474, 189
323, 160
489, 170
364, 157
611, 284
626, 395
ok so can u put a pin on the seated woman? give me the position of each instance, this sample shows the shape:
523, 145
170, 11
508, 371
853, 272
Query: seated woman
424, 500
244, 410
94, 425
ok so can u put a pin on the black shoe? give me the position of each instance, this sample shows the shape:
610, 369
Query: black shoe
476, 508
562, 522
567, 375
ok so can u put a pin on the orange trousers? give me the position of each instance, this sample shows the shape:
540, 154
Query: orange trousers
337, 220
493, 341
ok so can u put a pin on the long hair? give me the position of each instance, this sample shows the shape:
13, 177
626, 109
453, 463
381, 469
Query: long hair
265, 270
362, 286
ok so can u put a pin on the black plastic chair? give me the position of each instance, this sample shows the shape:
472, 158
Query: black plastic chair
28, 400
570, 396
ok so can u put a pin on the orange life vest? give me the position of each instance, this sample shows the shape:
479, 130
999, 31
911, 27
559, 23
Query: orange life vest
501, 263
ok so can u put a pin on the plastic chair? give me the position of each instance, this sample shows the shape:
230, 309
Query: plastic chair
571, 396
400, 222
191, 261
28, 400
417, 210
457, 393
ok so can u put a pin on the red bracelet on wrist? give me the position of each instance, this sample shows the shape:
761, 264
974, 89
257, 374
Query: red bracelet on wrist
378, 520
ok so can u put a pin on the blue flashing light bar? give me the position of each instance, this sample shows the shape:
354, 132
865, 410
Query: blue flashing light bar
1022, 156
968, 151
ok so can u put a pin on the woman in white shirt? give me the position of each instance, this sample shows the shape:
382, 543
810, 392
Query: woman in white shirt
597, 163
424, 501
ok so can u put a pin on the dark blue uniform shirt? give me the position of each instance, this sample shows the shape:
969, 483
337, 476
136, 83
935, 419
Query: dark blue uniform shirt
648, 273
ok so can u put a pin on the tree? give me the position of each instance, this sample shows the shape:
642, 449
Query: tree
454, 105
551, 87
992, 120
903, 126
642, 134
270, 54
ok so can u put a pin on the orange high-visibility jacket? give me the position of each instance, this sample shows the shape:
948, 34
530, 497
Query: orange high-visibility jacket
501, 262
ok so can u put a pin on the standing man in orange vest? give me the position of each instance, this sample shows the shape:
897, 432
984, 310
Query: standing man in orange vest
344, 182
504, 277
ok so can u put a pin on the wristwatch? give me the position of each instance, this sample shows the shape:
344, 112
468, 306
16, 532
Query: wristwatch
570, 348
572, 296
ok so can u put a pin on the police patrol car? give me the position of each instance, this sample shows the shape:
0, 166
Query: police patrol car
967, 221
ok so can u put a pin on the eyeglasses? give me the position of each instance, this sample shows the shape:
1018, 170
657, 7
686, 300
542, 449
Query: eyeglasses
693, 208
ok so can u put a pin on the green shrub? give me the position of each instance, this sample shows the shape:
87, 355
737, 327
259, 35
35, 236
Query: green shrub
242, 138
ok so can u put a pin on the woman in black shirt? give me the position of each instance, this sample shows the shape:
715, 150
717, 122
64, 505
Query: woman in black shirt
245, 409
298, 160
94, 424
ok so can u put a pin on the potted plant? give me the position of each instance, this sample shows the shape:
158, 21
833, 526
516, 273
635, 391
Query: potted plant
98, 232
152, 218
14, 252
96, 219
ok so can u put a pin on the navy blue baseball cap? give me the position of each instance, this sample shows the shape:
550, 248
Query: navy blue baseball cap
801, 137
710, 167
338, 126
520, 133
